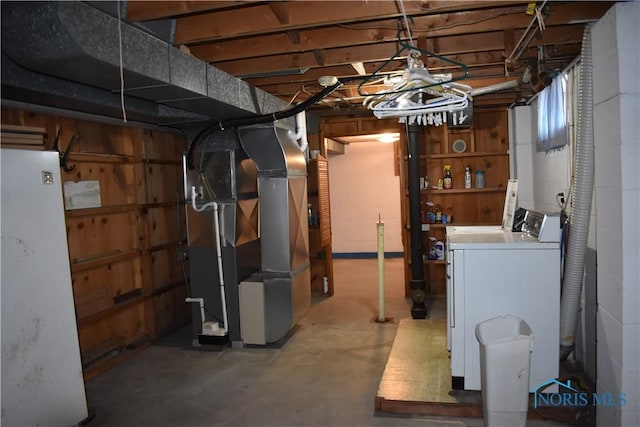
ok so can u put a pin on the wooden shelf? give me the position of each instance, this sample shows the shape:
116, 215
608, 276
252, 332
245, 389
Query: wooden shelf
464, 190
455, 155
457, 224
98, 260
435, 261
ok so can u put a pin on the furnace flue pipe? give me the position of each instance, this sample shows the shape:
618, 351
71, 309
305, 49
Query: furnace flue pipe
417, 284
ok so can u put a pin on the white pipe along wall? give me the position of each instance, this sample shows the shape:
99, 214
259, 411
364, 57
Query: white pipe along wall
211, 330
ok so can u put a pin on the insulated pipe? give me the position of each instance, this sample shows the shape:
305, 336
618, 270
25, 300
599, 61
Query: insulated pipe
380, 226
584, 171
417, 283
216, 227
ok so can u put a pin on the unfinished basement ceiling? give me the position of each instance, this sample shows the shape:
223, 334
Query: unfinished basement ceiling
284, 47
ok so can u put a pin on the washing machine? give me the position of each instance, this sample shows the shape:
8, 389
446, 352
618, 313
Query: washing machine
492, 271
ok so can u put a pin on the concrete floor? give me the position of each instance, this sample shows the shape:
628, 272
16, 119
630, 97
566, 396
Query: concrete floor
325, 374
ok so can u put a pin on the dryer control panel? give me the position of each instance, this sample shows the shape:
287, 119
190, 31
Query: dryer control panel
543, 226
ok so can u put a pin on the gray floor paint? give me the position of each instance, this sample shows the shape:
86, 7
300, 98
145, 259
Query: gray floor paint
326, 373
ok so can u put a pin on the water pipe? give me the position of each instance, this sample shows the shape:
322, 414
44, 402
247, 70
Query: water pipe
201, 302
380, 226
216, 225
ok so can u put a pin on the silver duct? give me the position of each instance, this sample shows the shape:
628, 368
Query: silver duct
581, 201
66, 54
284, 234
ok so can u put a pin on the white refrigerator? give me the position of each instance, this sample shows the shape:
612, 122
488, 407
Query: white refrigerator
42, 381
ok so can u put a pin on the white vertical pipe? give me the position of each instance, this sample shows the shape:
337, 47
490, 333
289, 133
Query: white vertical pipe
380, 225
216, 226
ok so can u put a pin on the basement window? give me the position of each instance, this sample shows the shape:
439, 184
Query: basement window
552, 115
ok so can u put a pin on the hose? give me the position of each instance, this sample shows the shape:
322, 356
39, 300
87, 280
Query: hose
584, 170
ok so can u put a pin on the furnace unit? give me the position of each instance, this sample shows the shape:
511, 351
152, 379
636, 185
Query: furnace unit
257, 180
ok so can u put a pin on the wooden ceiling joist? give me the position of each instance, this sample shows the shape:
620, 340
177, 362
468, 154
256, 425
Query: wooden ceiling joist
270, 42
305, 14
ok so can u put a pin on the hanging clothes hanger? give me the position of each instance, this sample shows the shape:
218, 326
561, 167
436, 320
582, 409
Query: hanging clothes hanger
417, 94
415, 66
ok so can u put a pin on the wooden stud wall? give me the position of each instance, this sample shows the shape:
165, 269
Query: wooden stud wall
128, 285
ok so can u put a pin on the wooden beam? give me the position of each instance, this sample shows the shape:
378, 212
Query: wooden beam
144, 10
379, 52
281, 43
280, 11
359, 67
293, 36
303, 14
355, 32
318, 54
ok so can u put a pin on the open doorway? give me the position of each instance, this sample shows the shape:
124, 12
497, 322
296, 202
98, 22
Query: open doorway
364, 187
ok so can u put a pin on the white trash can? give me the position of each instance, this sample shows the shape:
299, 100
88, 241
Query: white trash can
505, 359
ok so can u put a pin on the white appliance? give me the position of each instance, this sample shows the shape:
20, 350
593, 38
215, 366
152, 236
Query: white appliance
42, 381
491, 272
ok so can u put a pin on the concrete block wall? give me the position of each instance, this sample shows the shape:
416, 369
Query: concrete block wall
541, 176
523, 147
616, 67
362, 184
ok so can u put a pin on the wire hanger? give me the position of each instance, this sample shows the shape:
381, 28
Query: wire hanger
418, 95
414, 61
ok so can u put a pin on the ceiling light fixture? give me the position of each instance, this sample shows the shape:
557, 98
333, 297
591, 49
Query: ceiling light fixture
388, 138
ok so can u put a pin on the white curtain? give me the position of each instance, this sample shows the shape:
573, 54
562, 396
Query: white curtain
552, 116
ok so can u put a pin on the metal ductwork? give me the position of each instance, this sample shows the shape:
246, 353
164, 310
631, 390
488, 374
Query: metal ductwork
73, 43
282, 188
67, 55
260, 187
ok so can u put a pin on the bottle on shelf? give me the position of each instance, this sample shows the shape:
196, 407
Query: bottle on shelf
430, 216
479, 178
467, 177
439, 249
432, 248
447, 180
438, 214
310, 216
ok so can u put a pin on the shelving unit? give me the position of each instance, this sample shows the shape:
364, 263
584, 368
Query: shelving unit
487, 148
320, 251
